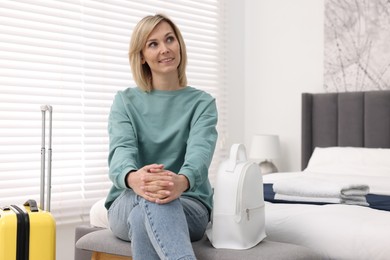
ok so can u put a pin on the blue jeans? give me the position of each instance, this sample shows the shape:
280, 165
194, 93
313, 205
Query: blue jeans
158, 231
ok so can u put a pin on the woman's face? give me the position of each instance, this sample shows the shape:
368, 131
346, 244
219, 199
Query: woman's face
162, 50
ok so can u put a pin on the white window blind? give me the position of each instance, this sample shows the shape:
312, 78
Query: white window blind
73, 55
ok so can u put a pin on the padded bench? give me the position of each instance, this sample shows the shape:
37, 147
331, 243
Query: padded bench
95, 241
100, 244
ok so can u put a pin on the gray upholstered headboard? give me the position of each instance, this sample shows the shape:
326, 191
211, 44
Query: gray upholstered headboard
358, 119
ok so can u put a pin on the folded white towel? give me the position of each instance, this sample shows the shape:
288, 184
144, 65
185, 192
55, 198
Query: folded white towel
356, 201
309, 188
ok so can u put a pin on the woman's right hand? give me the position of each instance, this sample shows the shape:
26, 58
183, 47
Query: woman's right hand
150, 182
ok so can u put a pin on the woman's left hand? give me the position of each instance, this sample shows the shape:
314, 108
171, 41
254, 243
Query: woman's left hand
178, 183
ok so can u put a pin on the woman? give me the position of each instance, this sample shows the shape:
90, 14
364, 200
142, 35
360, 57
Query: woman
162, 139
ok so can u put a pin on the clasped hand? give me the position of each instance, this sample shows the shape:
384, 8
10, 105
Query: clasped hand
156, 184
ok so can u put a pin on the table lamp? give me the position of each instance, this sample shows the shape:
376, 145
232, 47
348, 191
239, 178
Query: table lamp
266, 148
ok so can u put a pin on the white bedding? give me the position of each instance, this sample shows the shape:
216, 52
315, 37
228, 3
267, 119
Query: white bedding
336, 231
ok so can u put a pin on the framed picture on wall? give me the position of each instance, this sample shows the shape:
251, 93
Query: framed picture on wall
357, 50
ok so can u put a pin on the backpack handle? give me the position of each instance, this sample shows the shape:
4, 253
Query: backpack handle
237, 155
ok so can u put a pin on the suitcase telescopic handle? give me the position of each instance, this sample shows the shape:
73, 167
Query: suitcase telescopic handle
45, 108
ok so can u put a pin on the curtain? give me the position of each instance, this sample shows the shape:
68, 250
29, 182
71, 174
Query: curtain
73, 55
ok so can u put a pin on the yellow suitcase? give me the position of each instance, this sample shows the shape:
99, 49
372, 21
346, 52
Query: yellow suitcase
26, 231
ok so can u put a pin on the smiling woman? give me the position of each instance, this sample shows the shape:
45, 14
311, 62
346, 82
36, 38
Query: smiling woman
162, 55
74, 56
162, 141
159, 49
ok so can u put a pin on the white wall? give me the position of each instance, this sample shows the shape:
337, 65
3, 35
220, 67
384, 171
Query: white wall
283, 58
235, 80
65, 242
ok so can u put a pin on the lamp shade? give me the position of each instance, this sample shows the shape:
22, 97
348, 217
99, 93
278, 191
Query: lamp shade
265, 147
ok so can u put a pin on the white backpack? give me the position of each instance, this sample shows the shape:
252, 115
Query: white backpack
238, 220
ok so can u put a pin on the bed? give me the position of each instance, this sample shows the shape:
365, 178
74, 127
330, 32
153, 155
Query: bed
345, 141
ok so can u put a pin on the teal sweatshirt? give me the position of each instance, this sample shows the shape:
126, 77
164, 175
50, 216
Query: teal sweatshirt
175, 128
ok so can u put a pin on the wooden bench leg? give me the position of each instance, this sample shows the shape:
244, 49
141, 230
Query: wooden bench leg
105, 256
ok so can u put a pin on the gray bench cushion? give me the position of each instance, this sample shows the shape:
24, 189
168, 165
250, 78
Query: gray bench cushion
104, 241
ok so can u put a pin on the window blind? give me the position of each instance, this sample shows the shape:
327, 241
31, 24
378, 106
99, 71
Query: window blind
73, 55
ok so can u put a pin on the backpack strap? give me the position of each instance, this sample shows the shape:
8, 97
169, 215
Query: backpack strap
237, 155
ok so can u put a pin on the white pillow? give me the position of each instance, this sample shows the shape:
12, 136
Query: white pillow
350, 160
98, 214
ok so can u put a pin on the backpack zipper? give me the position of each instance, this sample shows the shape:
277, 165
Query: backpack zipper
249, 210
239, 197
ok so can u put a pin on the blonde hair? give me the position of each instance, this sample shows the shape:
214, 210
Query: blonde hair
141, 72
